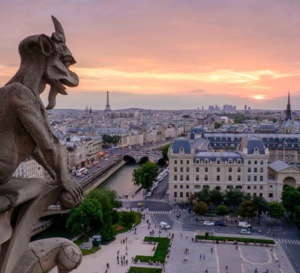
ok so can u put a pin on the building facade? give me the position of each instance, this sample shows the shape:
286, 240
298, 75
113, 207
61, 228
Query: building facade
246, 169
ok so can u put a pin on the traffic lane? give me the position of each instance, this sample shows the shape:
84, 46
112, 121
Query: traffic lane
161, 189
293, 254
152, 205
163, 218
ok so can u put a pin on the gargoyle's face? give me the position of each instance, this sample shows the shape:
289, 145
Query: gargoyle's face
60, 58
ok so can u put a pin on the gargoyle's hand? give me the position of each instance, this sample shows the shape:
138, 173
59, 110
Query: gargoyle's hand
72, 195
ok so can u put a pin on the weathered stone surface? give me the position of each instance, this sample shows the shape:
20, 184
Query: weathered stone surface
25, 131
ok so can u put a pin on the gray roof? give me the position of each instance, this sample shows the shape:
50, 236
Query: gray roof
213, 156
252, 143
196, 130
278, 165
200, 145
181, 143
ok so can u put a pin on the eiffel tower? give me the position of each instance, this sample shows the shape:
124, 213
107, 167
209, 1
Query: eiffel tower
107, 107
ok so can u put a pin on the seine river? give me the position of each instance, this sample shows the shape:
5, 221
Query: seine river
121, 181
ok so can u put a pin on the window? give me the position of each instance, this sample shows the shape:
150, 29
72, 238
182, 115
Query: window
181, 186
187, 178
175, 161
218, 161
249, 170
249, 162
181, 194
261, 162
255, 170
197, 186
181, 177
197, 169
261, 178
261, 170
270, 195
187, 194
249, 187
218, 169
175, 177
238, 178
230, 169
175, 169
175, 186
255, 162
197, 177
181, 161
229, 178
175, 194
218, 178
261, 187
187, 186
187, 169
254, 187
255, 178
181, 169
205, 178
239, 169
249, 178
187, 162
206, 169
260, 195
254, 194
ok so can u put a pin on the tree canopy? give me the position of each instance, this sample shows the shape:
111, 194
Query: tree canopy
145, 175
276, 210
200, 208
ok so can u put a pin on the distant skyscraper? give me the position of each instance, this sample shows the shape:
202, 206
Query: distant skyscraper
107, 107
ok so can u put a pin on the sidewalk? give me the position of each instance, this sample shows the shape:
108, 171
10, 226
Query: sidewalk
215, 257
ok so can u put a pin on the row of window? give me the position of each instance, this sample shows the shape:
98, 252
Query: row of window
218, 161
239, 187
218, 178
187, 169
187, 194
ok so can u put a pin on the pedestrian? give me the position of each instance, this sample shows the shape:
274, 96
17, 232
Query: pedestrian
211, 250
226, 266
200, 256
186, 237
203, 256
180, 235
192, 239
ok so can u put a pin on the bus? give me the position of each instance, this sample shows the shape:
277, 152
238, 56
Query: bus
82, 171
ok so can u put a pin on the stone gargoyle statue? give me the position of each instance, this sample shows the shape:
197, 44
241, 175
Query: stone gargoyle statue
25, 131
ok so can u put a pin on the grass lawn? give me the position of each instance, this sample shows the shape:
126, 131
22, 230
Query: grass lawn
160, 251
237, 239
144, 270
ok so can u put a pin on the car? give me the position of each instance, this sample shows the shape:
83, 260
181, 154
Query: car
167, 192
164, 225
208, 223
245, 231
149, 193
220, 224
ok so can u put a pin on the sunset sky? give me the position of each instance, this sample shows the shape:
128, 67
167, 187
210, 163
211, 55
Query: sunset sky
161, 54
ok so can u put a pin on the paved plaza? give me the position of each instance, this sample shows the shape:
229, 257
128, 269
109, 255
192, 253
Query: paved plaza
214, 257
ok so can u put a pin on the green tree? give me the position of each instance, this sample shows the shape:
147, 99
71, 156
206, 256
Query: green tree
106, 198
165, 152
234, 198
145, 175
216, 197
261, 205
85, 217
290, 199
222, 210
276, 210
238, 119
217, 125
247, 209
200, 208
204, 196
296, 216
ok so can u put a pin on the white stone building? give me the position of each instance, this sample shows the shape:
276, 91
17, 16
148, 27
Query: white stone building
191, 170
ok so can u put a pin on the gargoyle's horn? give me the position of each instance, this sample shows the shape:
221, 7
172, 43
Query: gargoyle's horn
58, 29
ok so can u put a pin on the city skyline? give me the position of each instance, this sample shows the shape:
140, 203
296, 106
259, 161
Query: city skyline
167, 55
